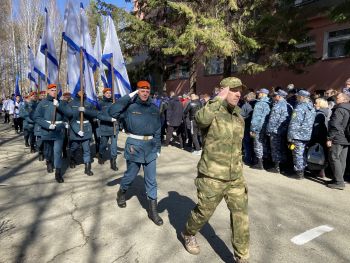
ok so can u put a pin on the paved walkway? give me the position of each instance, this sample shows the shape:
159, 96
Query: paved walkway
79, 221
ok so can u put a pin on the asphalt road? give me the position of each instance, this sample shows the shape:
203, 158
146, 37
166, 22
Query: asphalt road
79, 221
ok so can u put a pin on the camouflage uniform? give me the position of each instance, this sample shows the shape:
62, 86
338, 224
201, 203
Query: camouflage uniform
220, 172
258, 126
277, 128
299, 131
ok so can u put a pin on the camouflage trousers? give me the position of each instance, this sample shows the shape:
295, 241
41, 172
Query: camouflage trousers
299, 159
210, 192
278, 148
260, 145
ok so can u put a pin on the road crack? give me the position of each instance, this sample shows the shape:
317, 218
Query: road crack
122, 256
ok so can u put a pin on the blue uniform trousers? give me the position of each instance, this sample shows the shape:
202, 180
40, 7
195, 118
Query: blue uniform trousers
259, 145
40, 145
150, 177
299, 158
278, 148
53, 152
74, 145
104, 142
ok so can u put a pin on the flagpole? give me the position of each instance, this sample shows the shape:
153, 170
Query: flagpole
81, 90
112, 72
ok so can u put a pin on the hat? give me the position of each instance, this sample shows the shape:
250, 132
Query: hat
43, 92
281, 93
51, 86
265, 91
105, 90
232, 83
303, 93
32, 93
66, 94
143, 84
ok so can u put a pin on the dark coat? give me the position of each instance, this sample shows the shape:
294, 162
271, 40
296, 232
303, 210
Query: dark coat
337, 124
174, 112
320, 128
43, 116
141, 118
106, 127
27, 114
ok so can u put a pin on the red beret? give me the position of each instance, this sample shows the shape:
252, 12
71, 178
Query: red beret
143, 84
66, 94
105, 90
51, 86
43, 92
32, 93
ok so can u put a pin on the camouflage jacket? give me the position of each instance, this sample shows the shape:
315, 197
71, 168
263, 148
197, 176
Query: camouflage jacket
222, 128
260, 115
300, 126
279, 118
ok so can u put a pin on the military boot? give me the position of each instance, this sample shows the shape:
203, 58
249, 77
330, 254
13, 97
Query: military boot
298, 176
276, 168
190, 243
88, 169
41, 156
121, 199
241, 260
26, 143
49, 167
259, 165
72, 163
153, 213
114, 164
100, 159
32, 149
58, 175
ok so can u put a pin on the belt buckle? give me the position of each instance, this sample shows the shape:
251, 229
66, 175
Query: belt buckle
145, 138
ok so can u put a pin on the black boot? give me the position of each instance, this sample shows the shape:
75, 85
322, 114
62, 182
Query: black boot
32, 149
49, 167
259, 165
26, 144
153, 213
64, 154
72, 163
100, 159
114, 164
88, 169
298, 176
276, 168
41, 156
58, 175
121, 199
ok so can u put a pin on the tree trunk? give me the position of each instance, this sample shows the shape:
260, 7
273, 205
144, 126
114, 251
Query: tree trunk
227, 66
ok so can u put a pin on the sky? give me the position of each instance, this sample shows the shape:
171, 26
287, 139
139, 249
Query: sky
120, 3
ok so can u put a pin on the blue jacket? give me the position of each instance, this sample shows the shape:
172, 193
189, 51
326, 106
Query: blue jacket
260, 115
43, 117
106, 127
27, 113
71, 111
300, 126
141, 118
279, 118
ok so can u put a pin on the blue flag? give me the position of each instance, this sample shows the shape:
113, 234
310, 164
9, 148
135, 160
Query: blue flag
112, 49
17, 89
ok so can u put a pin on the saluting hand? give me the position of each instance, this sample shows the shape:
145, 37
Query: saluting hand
223, 93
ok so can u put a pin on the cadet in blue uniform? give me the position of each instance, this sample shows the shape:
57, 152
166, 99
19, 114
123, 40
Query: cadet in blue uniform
277, 128
258, 126
78, 136
66, 98
37, 132
300, 129
142, 147
106, 131
27, 114
51, 133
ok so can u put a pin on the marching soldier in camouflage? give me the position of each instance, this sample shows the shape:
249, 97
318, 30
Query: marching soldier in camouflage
277, 128
220, 169
300, 129
258, 126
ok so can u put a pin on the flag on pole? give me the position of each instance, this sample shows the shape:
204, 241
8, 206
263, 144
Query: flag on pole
31, 76
39, 68
90, 63
48, 45
98, 56
17, 89
112, 49
71, 35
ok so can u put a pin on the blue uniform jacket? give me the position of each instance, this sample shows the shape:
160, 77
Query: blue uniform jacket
27, 113
260, 115
300, 126
43, 116
141, 118
279, 118
71, 111
106, 127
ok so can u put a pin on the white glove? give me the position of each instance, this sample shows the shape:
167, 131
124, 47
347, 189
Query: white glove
66, 125
81, 109
55, 102
158, 154
52, 126
113, 120
81, 133
132, 94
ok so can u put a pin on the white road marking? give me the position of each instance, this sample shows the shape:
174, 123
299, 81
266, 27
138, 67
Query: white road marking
309, 235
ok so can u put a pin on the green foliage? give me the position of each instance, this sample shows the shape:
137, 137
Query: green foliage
340, 13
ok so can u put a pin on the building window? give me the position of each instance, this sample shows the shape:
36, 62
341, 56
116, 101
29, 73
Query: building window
308, 44
214, 66
337, 44
179, 71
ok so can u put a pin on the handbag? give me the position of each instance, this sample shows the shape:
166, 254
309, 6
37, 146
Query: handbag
315, 155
